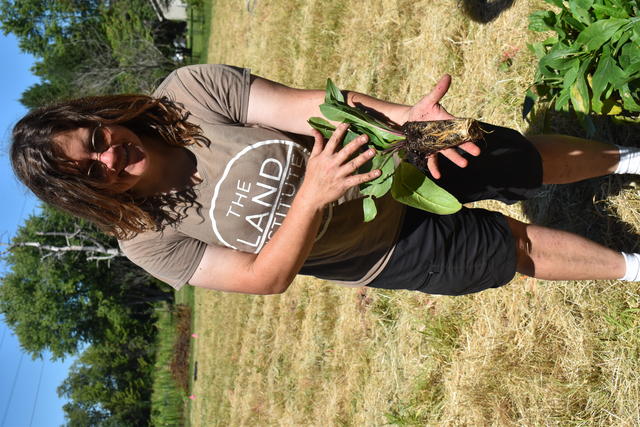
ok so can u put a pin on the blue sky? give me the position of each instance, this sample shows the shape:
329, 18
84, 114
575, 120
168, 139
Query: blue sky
27, 388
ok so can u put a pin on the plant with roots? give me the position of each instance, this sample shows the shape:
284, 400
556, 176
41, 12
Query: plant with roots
392, 142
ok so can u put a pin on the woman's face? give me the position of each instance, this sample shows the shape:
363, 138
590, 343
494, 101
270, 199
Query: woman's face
111, 154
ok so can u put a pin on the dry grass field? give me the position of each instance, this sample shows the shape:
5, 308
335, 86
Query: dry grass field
530, 353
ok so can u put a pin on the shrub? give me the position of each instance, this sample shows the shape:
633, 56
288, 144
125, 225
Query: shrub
591, 64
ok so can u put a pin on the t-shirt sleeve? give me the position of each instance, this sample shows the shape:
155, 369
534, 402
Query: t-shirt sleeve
214, 93
168, 256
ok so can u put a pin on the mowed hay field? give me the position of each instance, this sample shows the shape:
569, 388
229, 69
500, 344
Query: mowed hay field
530, 353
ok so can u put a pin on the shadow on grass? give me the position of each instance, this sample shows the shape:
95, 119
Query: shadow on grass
584, 208
485, 11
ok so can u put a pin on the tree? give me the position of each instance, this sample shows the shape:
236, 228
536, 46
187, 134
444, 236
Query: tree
88, 47
42, 93
61, 294
111, 382
43, 26
61, 300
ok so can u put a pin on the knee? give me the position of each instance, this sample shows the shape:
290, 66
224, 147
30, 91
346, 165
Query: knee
524, 262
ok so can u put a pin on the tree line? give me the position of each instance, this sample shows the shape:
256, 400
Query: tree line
90, 47
68, 290
81, 302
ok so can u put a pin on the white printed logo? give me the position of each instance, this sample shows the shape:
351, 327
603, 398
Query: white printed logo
255, 192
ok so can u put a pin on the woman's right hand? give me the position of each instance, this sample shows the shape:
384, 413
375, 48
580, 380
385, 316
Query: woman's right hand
429, 109
331, 172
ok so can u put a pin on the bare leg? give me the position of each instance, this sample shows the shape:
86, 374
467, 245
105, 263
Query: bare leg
568, 159
551, 254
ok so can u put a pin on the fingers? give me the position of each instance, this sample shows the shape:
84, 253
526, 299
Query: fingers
351, 148
344, 157
337, 137
432, 165
429, 108
439, 91
318, 143
470, 147
453, 155
354, 164
354, 180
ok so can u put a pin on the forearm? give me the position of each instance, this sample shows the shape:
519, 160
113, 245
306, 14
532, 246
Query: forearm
288, 109
397, 113
283, 256
270, 271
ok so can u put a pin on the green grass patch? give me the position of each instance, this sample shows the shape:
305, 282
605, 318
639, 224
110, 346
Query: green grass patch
199, 14
185, 296
170, 383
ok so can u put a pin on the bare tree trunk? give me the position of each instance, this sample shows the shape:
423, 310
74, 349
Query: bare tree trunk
95, 252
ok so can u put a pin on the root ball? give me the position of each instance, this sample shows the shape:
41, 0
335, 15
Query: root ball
426, 138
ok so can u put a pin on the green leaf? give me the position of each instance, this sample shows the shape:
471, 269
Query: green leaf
380, 139
579, 91
603, 11
583, 4
629, 54
562, 100
560, 57
413, 188
327, 129
621, 38
607, 73
557, 3
580, 9
382, 184
571, 74
570, 21
352, 115
598, 33
369, 208
529, 101
630, 102
542, 21
333, 94
350, 136
335, 108
322, 126
537, 49
636, 32
615, 38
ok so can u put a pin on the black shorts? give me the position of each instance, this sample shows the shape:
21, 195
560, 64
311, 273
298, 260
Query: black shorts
472, 249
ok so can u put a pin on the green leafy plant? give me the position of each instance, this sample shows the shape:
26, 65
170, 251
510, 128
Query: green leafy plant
406, 182
592, 63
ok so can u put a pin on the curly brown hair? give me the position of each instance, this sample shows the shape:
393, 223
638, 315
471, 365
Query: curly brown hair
40, 164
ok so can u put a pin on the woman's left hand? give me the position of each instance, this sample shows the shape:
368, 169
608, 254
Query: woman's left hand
429, 109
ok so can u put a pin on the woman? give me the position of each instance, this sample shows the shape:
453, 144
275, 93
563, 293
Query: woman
213, 181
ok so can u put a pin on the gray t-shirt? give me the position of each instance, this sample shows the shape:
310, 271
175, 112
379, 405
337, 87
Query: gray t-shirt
250, 175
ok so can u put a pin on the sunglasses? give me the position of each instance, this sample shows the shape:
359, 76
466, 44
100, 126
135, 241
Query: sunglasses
97, 170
